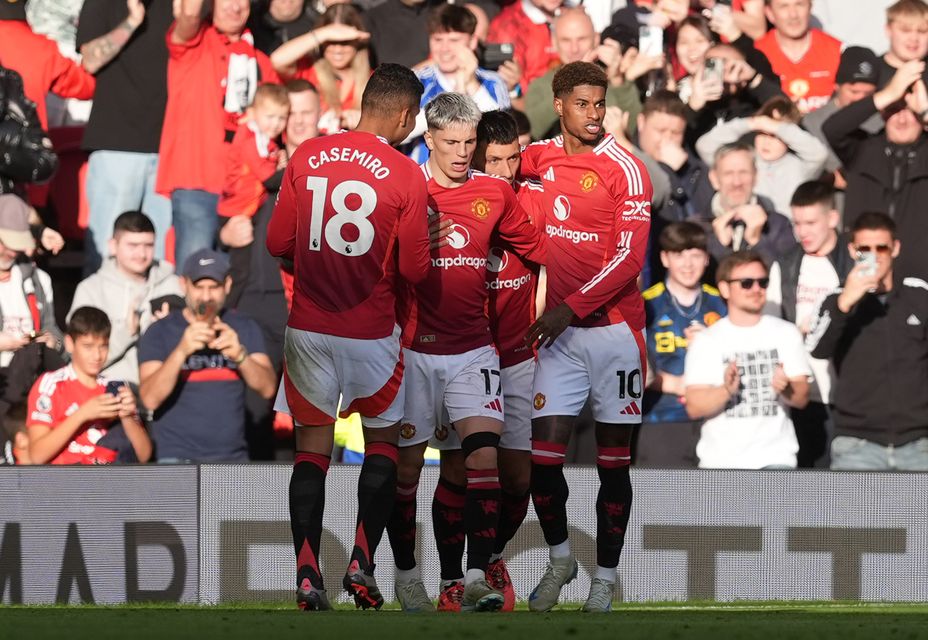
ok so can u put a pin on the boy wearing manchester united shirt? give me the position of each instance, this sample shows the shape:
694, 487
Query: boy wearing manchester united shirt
71, 410
451, 364
597, 204
511, 284
352, 216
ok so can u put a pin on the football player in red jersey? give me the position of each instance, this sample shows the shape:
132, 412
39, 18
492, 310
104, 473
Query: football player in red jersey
597, 205
352, 216
452, 366
511, 285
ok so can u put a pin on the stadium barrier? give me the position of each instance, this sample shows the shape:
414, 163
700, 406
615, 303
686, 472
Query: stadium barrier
220, 533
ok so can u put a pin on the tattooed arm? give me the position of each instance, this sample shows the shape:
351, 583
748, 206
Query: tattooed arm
99, 52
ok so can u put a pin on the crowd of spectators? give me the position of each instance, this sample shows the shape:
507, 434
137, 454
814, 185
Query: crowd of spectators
787, 274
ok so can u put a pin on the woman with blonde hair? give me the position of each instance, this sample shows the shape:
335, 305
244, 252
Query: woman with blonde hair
334, 58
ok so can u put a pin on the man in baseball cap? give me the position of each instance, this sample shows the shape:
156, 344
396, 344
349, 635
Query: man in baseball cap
195, 364
15, 235
856, 79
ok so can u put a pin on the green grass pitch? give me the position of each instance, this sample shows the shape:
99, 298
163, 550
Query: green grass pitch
683, 621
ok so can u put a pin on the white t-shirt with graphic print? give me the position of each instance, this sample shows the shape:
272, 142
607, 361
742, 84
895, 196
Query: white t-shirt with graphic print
754, 430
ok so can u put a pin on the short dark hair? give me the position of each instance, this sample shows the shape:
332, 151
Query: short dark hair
299, 85
391, 88
680, 236
780, 108
874, 221
133, 222
701, 25
496, 127
813, 192
737, 259
577, 74
523, 125
89, 321
664, 101
450, 18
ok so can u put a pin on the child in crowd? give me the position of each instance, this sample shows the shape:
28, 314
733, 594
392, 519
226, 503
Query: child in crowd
72, 410
254, 167
786, 155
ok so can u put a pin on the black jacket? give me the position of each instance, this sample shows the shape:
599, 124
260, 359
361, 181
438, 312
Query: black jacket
790, 264
884, 177
775, 240
26, 154
880, 353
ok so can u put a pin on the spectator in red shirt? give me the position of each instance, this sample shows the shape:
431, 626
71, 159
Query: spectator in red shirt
527, 25
254, 167
806, 59
38, 61
213, 72
72, 410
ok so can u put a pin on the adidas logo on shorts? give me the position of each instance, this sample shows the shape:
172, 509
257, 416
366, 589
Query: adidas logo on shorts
631, 410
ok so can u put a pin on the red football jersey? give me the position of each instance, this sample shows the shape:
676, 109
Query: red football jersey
251, 160
345, 203
597, 208
809, 81
448, 311
512, 282
55, 396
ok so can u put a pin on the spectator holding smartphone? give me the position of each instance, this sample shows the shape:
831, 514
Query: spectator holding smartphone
72, 410
874, 330
124, 288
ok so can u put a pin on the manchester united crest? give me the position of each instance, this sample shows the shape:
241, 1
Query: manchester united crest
408, 431
441, 433
588, 181
480, 208
539, 401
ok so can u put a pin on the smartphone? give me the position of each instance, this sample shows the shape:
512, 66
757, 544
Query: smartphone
175, 303
869, 261
714, 70
650, 40
494, 55
113, 387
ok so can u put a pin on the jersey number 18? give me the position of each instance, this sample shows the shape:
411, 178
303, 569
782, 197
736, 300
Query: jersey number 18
344, 215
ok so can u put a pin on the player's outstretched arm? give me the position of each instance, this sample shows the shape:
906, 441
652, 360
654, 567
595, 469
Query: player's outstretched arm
552, 323
413, 233
515, 227
281, 230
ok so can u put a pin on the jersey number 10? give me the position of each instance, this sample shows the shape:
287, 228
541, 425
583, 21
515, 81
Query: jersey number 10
343, 216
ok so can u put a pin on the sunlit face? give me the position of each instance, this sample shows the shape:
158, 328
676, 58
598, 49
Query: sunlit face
750, 300
903, 127
134, 251
657, 128
271, 117
692, 46
303, 122
502, 160
582, 112
790, 17
340, 54
285, 10
574, 37
733, 177
851, 92
444, 47
7, 257
814, 226
206, 297
908, 37
230, 16
769, 148
88, 352
876, 241
685, 267
452, 149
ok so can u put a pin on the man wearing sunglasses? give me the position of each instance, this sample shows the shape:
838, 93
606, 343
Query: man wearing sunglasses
874, 331
744, 374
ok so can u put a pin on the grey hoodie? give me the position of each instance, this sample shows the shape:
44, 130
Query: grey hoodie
115, 293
